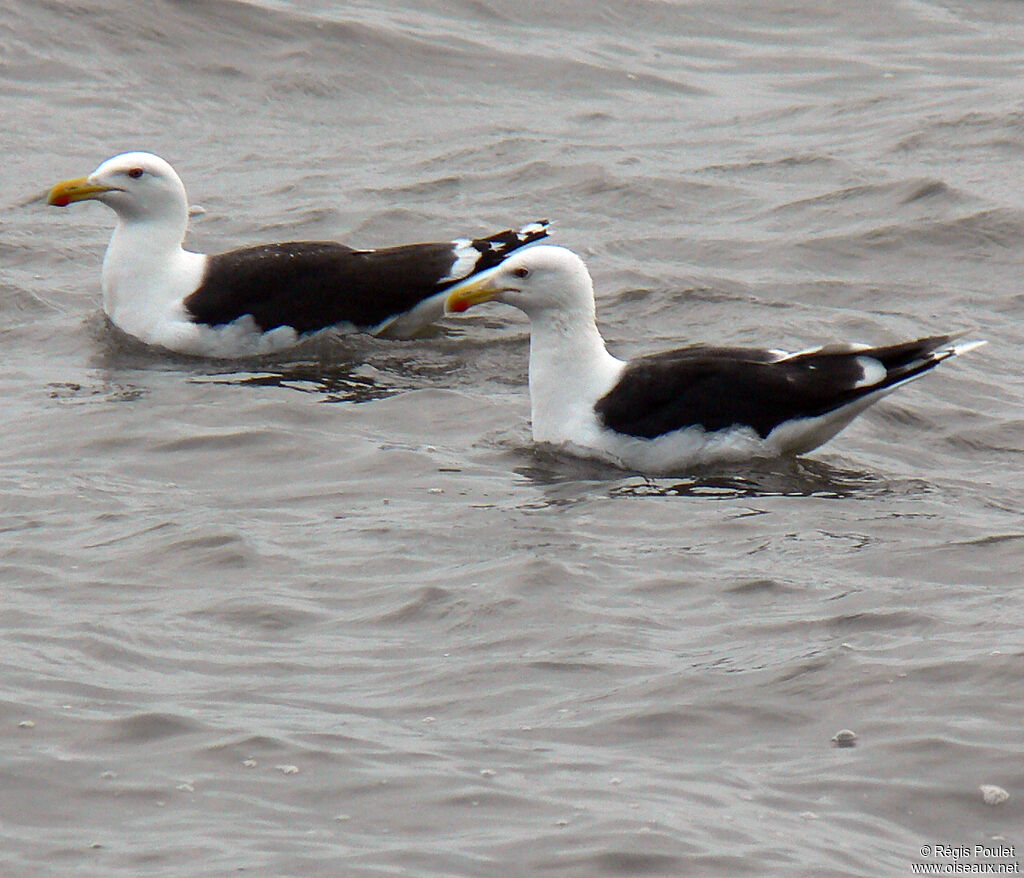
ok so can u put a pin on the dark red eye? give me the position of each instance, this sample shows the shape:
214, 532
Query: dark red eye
135, 173
521, 272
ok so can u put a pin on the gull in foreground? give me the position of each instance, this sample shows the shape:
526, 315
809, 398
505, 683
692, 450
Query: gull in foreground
687, 407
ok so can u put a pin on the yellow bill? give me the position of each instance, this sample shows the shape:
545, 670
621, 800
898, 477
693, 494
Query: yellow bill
472, 291
78, 189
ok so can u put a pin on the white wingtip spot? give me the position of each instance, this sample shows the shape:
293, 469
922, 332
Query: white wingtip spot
466, 256
533, 228
872, 372
835, 347
968, 346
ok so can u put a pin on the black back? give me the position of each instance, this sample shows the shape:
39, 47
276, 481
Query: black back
717, 388
310, 285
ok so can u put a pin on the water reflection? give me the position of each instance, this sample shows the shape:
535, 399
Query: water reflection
336, 367
333, 383
788, 477
564, 476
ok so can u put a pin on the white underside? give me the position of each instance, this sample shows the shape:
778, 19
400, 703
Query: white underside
173, 329
413, 321
240, 338
693, 446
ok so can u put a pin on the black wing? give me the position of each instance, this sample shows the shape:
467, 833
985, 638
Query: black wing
310, 285
717, 388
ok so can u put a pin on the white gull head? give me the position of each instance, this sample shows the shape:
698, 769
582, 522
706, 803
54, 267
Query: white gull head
141, 186
145, 271
570, 367
546, 282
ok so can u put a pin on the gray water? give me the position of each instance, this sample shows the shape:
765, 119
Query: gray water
332, 615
